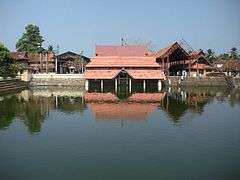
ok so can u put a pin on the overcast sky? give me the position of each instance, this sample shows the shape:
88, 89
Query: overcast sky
79, 25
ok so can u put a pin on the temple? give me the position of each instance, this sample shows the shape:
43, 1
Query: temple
130, 65
176, 61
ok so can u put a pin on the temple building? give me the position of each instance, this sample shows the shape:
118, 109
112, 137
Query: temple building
230, 67
71, 63
198, 65
128, 64
43, 62
176, 61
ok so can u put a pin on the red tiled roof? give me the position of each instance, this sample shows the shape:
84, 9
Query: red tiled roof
196, 54
19, 55
146, 74
135, 74
227, 64
163, 51
127, 50
167, 50
117, 61
101, 74
201, 66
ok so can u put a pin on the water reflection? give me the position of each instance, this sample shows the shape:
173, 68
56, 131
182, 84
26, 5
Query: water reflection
137, 106
33, 106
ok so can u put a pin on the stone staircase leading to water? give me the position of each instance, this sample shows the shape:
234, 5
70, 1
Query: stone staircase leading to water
11, 85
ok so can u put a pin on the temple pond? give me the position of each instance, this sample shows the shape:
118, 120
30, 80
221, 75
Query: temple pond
52, 133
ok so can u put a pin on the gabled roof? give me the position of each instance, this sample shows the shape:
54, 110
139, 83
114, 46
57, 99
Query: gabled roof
164, 52
71, 55
126, 50
196, 54
117, 61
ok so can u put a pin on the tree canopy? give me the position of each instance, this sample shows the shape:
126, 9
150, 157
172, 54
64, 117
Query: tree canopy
31, 40
6, 62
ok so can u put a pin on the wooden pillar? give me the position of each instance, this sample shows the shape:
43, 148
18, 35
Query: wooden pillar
144, 85
56, 62
116, 85
168, 66
163, 63
86, 85
46, 57
159, 85
189, 68
41, 65
101, 85
130, 85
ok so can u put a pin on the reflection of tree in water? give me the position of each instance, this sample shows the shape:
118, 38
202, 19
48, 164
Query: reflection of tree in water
234, 98
71, 104
174, 108
8, 108
32, 112
178, 103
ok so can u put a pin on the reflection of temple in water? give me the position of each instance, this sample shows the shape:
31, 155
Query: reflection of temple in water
34, 106
138, 106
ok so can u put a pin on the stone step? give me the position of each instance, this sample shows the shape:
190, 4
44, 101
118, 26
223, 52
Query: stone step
12, 88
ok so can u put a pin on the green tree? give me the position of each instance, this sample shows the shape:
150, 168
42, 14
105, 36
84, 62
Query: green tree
6, 62
50, 48
31, 40
234, 53
210, 55
224, 56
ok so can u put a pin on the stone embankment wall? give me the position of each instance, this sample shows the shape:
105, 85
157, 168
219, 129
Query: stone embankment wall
12, 85
57, 80
198, 81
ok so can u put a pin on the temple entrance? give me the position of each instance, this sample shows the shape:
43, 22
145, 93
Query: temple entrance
123, 78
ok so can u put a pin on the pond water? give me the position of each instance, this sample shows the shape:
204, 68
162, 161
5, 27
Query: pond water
52, 133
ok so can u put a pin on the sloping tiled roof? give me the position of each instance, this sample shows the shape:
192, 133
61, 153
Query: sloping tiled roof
165, 51
128, 50
71, 55
19, 55
31, 57
101, 74
196, 54
228, 65
117, 61
201, 66
135, 74
146, 74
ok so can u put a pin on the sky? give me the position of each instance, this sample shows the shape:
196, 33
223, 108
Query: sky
80, 25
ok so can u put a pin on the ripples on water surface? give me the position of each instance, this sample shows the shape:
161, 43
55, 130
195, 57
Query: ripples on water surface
53, 133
